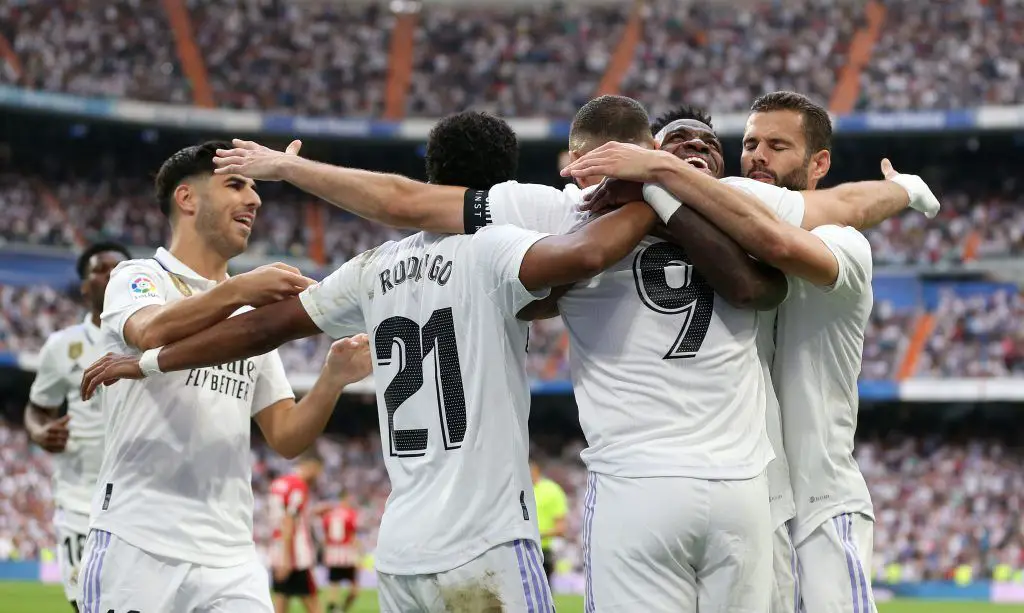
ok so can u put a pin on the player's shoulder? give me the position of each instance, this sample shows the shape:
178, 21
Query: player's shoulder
140, 274
535, 193
845, 237
757, 188
66, 338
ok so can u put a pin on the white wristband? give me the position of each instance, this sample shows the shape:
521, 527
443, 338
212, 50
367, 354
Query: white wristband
921, 196
663, 203
148, 362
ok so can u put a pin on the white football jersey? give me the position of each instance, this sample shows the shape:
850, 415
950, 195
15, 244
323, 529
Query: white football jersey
62, 361
176, 479
817, 362
780, 491
452, 392
666, 375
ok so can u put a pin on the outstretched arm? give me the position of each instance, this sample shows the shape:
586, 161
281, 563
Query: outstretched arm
236, 338
386, 198
865, 204
567, 258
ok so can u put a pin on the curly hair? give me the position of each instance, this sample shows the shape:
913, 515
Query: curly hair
472, 149
685, 111
189, 162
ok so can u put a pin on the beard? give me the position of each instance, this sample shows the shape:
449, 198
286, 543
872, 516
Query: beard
795, 179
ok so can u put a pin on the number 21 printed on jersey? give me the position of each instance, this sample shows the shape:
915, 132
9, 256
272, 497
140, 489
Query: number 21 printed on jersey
402, 340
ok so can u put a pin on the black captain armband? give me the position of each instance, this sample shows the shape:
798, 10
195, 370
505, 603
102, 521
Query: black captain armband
476, 212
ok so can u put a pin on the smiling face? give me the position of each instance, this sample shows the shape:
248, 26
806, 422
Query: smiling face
225, 209
697, 145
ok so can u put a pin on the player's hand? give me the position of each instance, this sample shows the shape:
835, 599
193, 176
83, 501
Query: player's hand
611, 194
269, 284
108, 370
255, 161
52, 437
921, 197
349, 360
621, 161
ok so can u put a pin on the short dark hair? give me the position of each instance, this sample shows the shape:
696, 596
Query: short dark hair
684, 111
472, 149
608, 118
82, 264
189, 162
817, 123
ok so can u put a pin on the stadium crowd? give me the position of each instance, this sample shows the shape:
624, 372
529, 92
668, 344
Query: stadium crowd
938, 505
722, 55
531, 60
975, 223
957, 54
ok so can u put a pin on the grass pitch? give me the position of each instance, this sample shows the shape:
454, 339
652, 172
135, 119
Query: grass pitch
18, 597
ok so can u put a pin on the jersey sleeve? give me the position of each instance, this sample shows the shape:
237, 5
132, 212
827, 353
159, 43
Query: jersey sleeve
133, 286
334, 304
786, 203
853, 252
534, 207
271, 385
498, 253
50, 387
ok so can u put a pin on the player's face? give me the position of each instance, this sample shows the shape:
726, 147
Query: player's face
775, 150
699, 147
226, 212
97, 274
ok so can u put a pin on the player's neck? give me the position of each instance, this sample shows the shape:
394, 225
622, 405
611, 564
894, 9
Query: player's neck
200, 257
94, 317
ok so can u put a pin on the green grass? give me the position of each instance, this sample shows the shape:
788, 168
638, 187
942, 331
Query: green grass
16, 597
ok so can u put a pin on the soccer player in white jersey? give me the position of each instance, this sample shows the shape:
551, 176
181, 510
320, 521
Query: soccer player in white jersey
672, 296
459, 530
787, 143
171, 520
821, 323
76, 438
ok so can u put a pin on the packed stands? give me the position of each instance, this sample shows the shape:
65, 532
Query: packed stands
722, 55
543, 60
955, 55
537, 60
252, 49
116, 48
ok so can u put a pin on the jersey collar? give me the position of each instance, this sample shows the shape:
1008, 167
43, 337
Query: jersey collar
92, 332
173, 265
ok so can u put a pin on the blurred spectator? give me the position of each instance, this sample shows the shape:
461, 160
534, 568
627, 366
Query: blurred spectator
721, 55
310, 58
976, 336
537, 60
955, 55
106, 48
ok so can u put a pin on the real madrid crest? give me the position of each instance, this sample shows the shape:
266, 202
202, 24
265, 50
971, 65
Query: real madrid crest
75, 350
182, 287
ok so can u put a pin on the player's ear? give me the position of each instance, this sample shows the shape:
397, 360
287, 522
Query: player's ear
821, 162
185, 199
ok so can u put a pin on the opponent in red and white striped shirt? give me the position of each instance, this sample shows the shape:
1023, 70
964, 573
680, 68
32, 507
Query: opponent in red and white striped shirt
293, 555
342, 552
